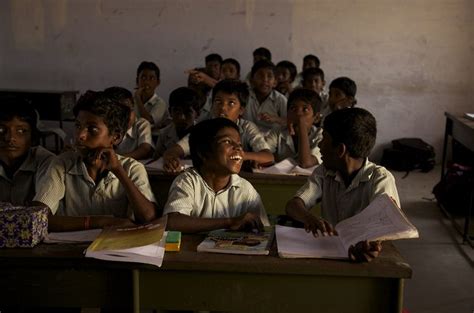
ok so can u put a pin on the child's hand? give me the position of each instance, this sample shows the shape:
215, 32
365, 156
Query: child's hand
247, 222
313, 224
267, 117
172, 165
107, 158
365, 251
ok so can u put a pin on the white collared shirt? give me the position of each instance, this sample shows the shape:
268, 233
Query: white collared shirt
274, 104
158, 110
139, 133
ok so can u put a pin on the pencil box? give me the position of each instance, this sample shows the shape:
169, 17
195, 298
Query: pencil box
22, 226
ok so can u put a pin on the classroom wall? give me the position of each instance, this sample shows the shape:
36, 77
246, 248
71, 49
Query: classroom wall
412, 60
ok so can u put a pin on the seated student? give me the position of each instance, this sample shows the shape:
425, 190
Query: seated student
342, 93
149, 105
94, 187
285, 75
266, 107
347, 181
212, 195
184, 109
259, 54
23, 164
313, 78
300, 139
137, 142
309, 61
213, 65
230, 69
229, 100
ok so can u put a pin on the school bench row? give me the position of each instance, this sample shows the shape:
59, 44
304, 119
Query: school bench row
60, 276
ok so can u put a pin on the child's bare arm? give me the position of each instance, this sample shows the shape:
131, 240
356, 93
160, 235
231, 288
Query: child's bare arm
190, 224
295, 208
305, 158
171, 159
143, 151
141, 106
260, 157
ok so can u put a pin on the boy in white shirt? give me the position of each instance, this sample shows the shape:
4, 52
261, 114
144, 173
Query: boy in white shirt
212, 195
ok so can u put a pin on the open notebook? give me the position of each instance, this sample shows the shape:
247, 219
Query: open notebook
286, 167
380, 220
151, 164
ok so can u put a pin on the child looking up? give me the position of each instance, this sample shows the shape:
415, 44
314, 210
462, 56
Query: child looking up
23, 164
149, 105
347, 181
212, 195
266, 107
342, 93
300, 139
285, 75
137, 142
94, 187
229, 100
184, 109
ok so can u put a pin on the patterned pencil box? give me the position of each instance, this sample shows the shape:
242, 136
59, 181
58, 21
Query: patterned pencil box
21, 226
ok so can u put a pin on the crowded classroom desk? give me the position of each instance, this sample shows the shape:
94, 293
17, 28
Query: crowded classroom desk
60, 276
275, 190
461, 129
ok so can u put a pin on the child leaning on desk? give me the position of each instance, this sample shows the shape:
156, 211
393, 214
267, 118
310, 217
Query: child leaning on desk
23, 163
347, 181
300, 139
212, 195
93, 187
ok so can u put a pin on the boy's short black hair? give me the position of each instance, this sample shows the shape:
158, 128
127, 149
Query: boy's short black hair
262, 64
184, 97
312, 57
213, 57
356, 128
306, 95
232, 86
234, 62
145, 65
312, 71
115, 116
346, 85
119, 94
264, 52
13, 106
202, 135
290, 66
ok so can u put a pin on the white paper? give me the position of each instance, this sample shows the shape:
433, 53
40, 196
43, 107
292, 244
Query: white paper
73, 236
286, 167
151, 164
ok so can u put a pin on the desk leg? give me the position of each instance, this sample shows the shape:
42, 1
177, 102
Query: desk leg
136, 290
447, 132
401, 286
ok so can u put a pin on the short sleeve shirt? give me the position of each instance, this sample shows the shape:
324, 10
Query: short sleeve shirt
339, 202
158, 109
139, 133
69, 190
22, 187
167, 137
274, 104
282, 145
191, 195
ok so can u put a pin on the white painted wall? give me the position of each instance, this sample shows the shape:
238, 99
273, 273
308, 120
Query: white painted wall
412, 60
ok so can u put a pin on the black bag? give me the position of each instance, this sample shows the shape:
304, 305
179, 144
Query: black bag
454, 190
408, 154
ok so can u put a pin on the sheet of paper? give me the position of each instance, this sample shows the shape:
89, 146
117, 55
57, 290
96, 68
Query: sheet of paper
151, 164
73, 236
286, 167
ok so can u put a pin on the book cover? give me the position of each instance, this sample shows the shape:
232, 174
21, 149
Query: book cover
380, 220
237, 242
286, 167
141, 244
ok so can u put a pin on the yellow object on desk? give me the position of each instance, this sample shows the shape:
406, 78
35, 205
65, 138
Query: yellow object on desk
173, 241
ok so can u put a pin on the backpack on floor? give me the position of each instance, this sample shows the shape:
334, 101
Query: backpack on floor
408, 154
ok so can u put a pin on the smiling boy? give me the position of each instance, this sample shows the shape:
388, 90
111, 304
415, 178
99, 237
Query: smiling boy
212, 195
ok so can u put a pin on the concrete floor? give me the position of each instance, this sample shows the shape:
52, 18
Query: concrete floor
443, 267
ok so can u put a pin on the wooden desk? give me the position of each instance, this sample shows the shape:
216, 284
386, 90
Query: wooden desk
275, 190
462, 130
59, 275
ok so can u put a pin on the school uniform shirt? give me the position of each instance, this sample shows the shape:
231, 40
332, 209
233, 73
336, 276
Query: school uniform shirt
206, 113
282, 145
167, 137
251, 137
70, 191
158, 110
339, 202
274, 104
21, 188
191, 195
139, 133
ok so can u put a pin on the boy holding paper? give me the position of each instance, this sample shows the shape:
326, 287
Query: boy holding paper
347, 181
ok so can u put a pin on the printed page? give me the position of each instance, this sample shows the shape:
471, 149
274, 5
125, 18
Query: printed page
380, 220
284, 167
297, 243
